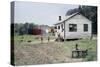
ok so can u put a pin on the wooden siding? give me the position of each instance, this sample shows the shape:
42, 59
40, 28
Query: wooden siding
80, 21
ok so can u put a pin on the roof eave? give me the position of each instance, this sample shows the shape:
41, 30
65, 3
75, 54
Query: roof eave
67, 19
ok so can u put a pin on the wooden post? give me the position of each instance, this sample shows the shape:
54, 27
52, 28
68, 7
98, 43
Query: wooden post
64, 32
91, 32
41, 39
48, 38
76, 46
91, 37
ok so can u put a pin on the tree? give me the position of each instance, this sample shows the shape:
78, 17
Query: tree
22, 30
16, 28
30, 28
26, 26
71, 11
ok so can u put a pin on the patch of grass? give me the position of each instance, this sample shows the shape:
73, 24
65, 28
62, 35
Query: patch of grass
50, 52
25, 37
92, 56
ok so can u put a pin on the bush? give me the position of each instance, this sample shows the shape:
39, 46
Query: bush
37, 31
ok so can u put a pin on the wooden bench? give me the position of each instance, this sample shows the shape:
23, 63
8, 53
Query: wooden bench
79, 53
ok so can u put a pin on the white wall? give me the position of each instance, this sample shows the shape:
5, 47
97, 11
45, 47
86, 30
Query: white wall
59, 31
79, 20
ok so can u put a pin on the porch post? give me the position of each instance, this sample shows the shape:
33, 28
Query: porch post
64, 31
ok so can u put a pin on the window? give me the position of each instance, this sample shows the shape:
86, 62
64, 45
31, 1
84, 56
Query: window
85, 27
55, 27
72, 27
58, 27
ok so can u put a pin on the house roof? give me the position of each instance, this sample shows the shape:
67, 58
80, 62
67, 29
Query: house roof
67, 18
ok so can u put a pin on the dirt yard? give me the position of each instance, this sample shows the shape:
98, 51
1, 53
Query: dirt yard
35, 52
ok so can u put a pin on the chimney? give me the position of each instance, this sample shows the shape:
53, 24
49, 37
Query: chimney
59, 18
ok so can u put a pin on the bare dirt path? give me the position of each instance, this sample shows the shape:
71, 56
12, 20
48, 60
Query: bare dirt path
45, 53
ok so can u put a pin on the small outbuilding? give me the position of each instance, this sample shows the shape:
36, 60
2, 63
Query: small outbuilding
74, 26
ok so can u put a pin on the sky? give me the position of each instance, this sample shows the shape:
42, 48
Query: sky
40, 13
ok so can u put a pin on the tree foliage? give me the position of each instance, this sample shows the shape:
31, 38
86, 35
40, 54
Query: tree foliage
24, 28
71, 11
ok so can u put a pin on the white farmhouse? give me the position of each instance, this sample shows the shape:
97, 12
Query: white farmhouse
74, 26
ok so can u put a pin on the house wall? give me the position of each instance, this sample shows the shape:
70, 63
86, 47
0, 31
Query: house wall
59, 31
79, 20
